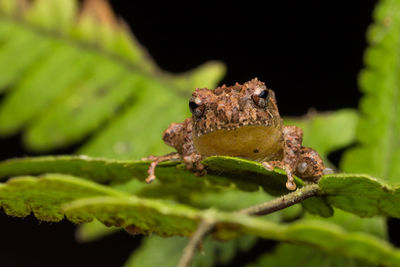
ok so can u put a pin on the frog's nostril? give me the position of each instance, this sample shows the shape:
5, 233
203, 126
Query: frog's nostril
255, 150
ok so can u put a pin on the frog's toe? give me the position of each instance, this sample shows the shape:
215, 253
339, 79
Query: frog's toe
290, 185
150, 178
268, 166
151, 172
327, 171
155, 160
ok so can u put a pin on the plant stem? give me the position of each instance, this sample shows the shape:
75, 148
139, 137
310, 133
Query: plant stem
262, 209
282, 202
204, 228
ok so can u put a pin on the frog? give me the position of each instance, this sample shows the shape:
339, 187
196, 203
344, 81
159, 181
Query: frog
243, 121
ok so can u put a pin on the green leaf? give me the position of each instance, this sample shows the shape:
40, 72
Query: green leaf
123, 138
158, 251
243, 174
99, 170
57, 15
290, 255
378, 132
13, 44
44, 196
24, 102
295, 255
92, 231
252, 174
361, 194
145, 215
327, 132
351, 222
112, 82
82, 201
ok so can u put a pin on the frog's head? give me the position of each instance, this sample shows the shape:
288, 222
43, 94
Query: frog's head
227, 116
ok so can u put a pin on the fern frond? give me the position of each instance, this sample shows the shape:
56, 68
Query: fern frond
69, 70
82, 201
378, 133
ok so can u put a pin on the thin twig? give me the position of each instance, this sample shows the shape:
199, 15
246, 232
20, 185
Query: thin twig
262, 209
282, 202
203, 229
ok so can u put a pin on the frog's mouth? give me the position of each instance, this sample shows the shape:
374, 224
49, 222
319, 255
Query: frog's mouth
255, 142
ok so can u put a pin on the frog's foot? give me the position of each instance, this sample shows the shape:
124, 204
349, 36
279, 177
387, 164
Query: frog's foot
310, 166
193, 164
155, 160
270, 165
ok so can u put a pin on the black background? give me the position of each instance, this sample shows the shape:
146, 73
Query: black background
310, 53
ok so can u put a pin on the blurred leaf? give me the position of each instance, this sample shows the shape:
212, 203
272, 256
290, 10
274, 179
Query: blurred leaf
378, 131
93, 231
290, 255
377, 151
72, 71
327, 132
213, 252
298, 255
351, 222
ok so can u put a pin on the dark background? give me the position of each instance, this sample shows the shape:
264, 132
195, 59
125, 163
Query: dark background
310, 53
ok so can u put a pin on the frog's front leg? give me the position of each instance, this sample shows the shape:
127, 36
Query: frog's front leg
310, 166
178, 136
155, 160
193, 164
292, 139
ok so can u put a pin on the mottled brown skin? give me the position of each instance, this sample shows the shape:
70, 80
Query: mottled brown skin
242, 121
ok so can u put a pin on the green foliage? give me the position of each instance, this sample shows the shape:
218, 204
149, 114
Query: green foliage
44, 196
237, 172
93, 231
214, 252
378, 132
78, 73
360, 194
290, 255
82, 201
328, 131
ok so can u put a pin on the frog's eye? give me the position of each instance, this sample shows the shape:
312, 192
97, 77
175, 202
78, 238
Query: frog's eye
196, 109
260, 97
264, 94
